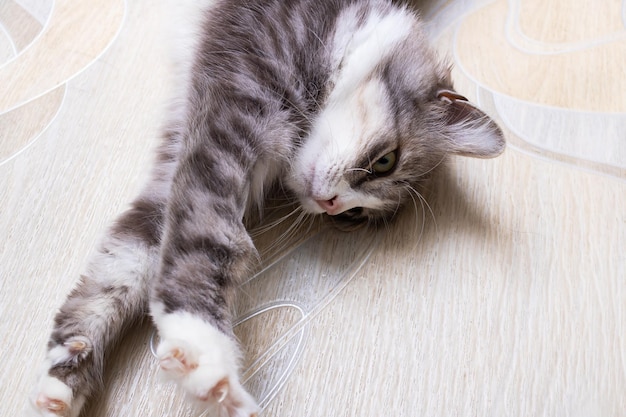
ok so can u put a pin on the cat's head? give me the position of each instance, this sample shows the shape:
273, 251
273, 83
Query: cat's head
389, 118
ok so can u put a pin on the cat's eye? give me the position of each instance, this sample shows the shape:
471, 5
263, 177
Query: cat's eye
385, 164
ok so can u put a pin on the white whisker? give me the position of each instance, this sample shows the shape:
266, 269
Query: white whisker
424, 203
257, 231
285, 237
367, 171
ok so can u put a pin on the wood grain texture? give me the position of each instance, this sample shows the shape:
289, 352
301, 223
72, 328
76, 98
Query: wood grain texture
505, 297
74, 36
582, 78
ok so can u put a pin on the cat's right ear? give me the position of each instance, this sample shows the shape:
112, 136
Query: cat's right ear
469, 130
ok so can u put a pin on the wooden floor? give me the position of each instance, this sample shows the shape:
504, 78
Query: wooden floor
507, 297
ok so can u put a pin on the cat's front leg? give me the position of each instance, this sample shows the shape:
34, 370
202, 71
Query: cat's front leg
198, 349
206, 252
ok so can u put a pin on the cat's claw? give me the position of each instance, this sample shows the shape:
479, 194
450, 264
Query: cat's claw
220, 390
78, 346
51, 406
233, 399
177, 360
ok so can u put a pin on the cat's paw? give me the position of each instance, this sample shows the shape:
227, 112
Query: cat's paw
206, 377
53, 398
203, 361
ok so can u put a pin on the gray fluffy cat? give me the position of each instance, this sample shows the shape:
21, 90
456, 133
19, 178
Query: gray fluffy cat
339, 102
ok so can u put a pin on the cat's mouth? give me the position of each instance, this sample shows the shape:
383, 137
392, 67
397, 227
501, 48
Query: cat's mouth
351, 219
352, 213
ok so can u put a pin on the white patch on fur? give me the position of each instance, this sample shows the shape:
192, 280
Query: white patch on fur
127, 259
356, 113
358, 50
59, 354
209, 358
212, 345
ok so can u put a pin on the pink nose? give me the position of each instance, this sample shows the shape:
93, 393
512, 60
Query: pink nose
329, 206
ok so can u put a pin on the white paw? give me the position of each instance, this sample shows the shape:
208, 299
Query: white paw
204, 362
206, 380
55, 399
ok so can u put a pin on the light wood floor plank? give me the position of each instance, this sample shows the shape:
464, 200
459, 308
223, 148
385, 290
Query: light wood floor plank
505, 296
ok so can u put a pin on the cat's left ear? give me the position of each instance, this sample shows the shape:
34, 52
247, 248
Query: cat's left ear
470, 131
